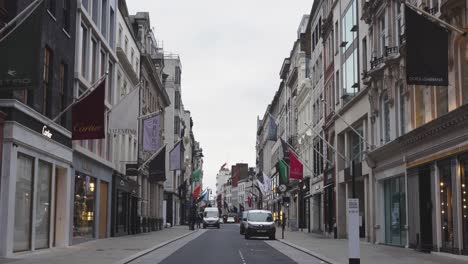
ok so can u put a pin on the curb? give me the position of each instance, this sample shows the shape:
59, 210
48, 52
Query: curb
149, 250
308, 252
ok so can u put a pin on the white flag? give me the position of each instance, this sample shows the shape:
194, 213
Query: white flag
267, 183
261, 187
123, 117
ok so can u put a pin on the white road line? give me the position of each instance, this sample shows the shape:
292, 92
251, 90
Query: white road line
242, 257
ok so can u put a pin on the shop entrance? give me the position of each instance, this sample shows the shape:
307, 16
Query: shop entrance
425, 209
60, 208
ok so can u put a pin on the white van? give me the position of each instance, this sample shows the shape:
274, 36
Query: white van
211, 217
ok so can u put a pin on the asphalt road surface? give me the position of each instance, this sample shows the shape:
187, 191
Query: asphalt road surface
225, 246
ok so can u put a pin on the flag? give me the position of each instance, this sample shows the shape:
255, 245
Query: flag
196, 192
283, 171
261, 187
20, 50
205, 196
295, 167
88, 115
272, 128
123, 117
266, 183
175, 157
152, 133
249, 201
426, 51
196, 175
157, 167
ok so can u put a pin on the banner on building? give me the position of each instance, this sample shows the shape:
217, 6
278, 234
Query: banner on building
131, 169
157, 167
152, 133
267, 183
283, 172
426, 51
296, 169
196, 175
196, 192
20, 44
175, 157
123, 117
88, 115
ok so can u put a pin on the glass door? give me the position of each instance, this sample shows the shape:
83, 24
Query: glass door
464, 193
23, 203
395, 211
42, 226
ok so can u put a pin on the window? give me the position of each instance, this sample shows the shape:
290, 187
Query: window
23, 204
176, 125
111, 28
385, 119
66, 15
356, 144
364, 54
85, 4
382, 32
399, 24
177, 100
337, 87
446, 204
337, 38
43, 205
119, 43
110, 82
348, 21
84, 205
95, 11
104, 18
126, 45
46, 81
91, 145
124, 89
51, 7
177, 75
420, 110
84, 44
137, 67
320, 107
94, 61
350, 75
108, 147
132, 56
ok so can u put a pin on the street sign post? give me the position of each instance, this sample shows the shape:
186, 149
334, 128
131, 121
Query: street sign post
353, 231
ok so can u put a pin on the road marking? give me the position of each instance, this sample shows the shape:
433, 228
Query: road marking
242, 257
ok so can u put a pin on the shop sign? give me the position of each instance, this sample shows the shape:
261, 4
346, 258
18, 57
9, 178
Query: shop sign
46, 132
353, 229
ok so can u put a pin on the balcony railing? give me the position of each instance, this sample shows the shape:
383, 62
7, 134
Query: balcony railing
376, 62
391, 50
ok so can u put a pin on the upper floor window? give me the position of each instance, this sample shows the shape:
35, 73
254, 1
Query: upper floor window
177, 75
402, 111
95, 11
337, 37
382, 35
385, 119
119, 43
126, 45
104, 18
46, 79
132, 56
348, 26
84, 49
356, 144
66, 15
399, 23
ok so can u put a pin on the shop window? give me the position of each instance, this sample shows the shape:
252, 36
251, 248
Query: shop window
442, 100
43, 205
23, 203
395, 211
385, 119
446, 206
464, 194
420, 110
84, 207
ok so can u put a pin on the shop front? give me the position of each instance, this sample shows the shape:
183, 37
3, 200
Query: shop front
91, 199
35, 183
329, 202
395, 211
316, 205
124, 199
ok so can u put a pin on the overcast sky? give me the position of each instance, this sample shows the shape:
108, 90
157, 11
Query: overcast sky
231, 53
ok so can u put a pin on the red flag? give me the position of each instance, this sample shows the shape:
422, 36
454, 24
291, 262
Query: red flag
295, 167
88, 115
249, 201
196, 192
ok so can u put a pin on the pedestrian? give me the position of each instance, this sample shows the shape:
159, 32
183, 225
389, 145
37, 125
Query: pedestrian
199, 220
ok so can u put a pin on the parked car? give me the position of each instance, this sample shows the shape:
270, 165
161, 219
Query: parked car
243, 222
231, 220
260, 224
211, 217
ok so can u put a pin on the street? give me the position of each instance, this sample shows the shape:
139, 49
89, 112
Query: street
227, 246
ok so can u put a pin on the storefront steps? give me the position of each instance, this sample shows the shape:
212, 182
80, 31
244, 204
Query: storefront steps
336, 250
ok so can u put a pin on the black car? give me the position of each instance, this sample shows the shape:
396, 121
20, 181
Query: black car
260, 224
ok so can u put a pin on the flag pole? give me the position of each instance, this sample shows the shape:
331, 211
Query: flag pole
299, 158
79, 99
328, 143
13, 21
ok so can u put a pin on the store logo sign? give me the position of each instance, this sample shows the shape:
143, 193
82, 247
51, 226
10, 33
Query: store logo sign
46, 132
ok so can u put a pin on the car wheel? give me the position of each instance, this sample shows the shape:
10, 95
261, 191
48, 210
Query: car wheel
204, 226
246, 235
272, 237
218, 226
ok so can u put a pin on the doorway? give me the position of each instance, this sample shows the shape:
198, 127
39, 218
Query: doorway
104, 187
425, 209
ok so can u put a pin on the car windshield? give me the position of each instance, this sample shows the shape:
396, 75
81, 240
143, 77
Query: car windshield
260, 217
211, 214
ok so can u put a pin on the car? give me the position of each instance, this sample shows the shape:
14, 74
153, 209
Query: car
260, 224
231, 219
243, 222
211, 217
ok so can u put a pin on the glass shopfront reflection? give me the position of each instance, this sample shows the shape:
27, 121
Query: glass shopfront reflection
84, 207
446, 206
395, 211
43, 205
464, 200
23, 203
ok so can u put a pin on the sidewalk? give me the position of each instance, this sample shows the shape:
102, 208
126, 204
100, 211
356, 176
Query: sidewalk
336, 251
108, 250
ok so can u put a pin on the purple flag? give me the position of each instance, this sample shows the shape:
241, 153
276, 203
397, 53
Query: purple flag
175, 157
152, 133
